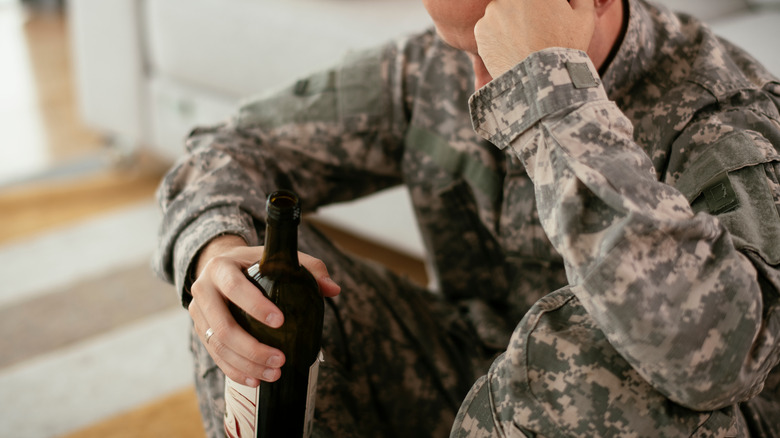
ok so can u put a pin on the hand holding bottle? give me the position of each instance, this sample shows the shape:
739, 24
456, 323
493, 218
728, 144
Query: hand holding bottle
220, 277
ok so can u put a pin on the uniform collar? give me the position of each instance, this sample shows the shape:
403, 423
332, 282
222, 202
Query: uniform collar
636, 53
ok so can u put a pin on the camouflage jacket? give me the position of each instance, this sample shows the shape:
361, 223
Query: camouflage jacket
647, 196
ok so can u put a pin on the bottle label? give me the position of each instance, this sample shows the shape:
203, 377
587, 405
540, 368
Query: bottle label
240, 409
241, 405
311, 394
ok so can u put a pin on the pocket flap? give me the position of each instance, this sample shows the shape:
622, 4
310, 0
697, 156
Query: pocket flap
728, 154
729, 181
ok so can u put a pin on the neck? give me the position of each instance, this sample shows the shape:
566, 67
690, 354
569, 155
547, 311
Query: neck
608, 33
281, 242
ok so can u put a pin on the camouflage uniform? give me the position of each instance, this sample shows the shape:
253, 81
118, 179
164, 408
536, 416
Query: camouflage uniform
612, 252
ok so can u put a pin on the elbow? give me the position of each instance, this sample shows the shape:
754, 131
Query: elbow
724, 380
714, 372
716, 395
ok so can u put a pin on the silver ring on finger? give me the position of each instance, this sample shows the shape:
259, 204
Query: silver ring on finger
208, 335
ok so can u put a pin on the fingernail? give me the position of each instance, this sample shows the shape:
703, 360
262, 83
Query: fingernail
274, 361
269, 373
251, 382
273, 320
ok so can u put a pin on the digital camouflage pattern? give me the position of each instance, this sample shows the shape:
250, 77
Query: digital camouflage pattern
612, 252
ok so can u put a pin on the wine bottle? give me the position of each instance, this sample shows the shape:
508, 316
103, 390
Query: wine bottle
283, 408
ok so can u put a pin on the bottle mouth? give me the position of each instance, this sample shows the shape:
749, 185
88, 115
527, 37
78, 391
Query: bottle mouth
283, 205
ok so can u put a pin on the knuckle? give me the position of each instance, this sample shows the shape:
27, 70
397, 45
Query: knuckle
210, 265
197, 287
479, 29
218, 348
220, 327
227, 278
256, 356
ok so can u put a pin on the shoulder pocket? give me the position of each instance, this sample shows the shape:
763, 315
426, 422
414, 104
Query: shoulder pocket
307, 100
730, 181
360, 84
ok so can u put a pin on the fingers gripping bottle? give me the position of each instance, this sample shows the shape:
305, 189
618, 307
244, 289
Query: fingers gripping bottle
283, 408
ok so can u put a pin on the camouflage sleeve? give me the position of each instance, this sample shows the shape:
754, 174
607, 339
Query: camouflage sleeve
686, 297
333, 136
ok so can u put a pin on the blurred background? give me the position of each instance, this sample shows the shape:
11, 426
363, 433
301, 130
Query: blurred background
96, 97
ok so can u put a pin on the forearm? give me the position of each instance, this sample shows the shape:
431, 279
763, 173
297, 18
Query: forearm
329, 137
668, 288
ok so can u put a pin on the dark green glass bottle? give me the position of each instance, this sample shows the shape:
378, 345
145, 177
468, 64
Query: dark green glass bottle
283, 408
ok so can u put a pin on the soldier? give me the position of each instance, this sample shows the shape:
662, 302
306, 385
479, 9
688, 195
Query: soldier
596, 182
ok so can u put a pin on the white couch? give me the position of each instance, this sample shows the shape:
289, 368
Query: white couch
148, 71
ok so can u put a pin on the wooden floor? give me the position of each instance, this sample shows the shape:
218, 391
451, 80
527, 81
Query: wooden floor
40, 205
174, 416
39, 121
40, 132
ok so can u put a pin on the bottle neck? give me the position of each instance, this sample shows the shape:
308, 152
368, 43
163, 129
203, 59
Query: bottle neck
281, 242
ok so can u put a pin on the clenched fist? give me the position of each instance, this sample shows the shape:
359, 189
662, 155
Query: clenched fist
511, 30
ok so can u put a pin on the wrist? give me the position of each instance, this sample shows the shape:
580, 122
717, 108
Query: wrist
216, 246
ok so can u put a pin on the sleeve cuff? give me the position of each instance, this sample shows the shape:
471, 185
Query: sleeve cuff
546, 82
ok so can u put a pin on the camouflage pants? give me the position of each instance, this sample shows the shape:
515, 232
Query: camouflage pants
398, 359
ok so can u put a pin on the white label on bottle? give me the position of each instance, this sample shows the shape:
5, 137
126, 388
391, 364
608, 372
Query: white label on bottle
241, 405
311, 395
240, 409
